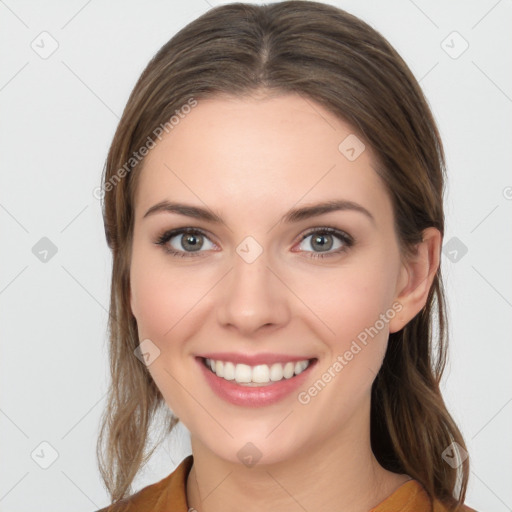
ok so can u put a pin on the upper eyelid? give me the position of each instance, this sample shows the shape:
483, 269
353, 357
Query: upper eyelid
329, 230
188, 229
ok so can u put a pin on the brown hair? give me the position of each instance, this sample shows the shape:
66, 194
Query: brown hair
337, 60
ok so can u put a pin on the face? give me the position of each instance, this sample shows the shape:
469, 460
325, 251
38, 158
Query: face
249, 279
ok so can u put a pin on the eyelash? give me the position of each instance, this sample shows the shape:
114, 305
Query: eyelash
347, 240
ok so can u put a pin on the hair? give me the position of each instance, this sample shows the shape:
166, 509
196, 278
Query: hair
335, 59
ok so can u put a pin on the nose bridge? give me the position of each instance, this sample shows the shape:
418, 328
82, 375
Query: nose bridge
253, 296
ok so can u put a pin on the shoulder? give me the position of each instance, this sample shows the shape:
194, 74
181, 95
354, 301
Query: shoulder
412, 497
439, 507
157, 497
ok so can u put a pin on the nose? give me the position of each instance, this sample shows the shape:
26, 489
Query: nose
253, 298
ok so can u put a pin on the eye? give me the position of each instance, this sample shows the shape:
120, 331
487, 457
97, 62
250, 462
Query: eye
324, 239
187, 242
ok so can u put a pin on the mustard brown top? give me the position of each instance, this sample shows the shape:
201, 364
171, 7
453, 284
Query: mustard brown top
170, 495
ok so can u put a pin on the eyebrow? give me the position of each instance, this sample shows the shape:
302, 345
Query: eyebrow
294, 215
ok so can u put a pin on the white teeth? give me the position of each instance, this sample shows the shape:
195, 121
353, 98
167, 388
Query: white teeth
288, 370
229, 371
243, 373
300, 366
259, 374
276, 372
219, 368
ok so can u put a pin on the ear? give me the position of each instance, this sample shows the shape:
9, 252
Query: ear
416, 277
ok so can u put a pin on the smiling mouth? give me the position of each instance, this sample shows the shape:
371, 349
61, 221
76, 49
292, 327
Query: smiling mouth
258, 375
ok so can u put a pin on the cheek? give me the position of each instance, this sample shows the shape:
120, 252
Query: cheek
151, 304
160, 301
355, 342
352, 309
349, 300
160, 297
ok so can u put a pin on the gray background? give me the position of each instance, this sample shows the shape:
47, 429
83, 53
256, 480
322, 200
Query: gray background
59, 113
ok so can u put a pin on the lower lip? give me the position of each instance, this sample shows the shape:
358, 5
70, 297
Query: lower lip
253, 396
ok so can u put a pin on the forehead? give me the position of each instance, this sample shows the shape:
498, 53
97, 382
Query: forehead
255, 152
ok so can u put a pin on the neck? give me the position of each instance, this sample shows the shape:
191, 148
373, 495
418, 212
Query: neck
338, 474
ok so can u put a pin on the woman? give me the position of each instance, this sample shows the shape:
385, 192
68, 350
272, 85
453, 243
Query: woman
274, 206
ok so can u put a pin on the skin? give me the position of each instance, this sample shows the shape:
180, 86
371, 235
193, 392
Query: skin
251, 160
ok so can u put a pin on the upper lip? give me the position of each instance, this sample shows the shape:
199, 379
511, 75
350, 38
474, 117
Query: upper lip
254, 359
